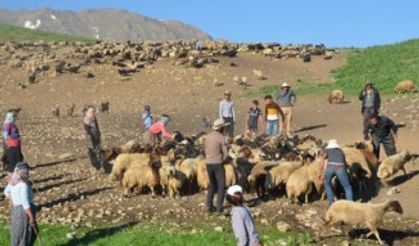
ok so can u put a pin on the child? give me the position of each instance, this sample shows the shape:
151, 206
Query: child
242, 222
147, 117
253, 120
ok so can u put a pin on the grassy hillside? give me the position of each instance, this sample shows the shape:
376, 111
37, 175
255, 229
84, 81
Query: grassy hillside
13, 33
385, 65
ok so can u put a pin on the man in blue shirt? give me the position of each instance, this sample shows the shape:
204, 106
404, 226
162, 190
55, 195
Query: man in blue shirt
147, 117
228, 113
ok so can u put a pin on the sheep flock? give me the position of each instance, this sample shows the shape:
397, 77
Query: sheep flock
268, 167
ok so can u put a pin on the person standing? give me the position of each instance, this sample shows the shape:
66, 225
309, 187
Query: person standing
242, 222
382, 131
93, 136
273, 113
12, 151
286, 99
227, 112
23, 228
334, 160
253, 119
370, 102
215, 155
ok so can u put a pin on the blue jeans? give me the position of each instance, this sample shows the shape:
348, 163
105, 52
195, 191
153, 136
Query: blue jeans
343, 177
272, 127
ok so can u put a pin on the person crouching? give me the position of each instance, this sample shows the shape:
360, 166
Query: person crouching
241, 219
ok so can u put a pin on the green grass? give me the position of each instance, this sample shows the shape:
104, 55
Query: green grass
165, 233
385, 65
14, 33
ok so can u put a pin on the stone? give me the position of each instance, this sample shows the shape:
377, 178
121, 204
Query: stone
66, 156
219, 228
282, 226
393, 191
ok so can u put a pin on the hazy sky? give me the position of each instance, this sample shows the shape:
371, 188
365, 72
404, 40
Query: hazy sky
335, 23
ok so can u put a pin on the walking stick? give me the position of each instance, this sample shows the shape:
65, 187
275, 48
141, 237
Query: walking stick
37, 235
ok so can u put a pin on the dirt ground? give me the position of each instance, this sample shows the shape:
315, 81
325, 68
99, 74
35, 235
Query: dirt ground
71, 192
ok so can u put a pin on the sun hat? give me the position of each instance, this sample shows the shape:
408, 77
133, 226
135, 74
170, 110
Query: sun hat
332, 144
233, 190
227, 92
219, 123
285, 84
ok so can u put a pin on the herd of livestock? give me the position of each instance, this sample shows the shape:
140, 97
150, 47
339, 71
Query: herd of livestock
269, 166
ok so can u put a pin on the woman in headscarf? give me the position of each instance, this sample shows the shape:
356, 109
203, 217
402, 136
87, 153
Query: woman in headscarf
12, 152
23, 228
91, 128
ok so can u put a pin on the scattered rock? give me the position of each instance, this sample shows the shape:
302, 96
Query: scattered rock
219, 228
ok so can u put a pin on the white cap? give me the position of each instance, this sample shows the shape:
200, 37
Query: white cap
332, 144
234, 189
285, 84
218, 123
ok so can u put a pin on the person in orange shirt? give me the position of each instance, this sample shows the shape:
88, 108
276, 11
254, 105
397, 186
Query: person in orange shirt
272, 114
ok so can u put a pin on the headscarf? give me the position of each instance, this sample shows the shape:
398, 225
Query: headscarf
20, 174
10, 117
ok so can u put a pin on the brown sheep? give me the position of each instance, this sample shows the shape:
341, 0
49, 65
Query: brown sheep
124, 161
404, 86
336, 96
355, 158
258, 175
356, 213
202, 175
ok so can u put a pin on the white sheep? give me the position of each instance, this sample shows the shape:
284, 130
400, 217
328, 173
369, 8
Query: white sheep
171, 180
279, 175
356, 213
140, 177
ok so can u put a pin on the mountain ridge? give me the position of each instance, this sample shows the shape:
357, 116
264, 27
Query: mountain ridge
105, 23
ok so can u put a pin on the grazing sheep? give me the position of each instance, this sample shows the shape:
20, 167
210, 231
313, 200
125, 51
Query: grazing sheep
279, 175
336, 96
259, 74
301, 182
171, 180
391, 165
404, 86
356, 213
141, 177
104, 107
125, 161
70, 110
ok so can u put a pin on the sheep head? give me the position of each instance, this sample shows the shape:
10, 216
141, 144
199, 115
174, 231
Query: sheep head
383, 173
393, 206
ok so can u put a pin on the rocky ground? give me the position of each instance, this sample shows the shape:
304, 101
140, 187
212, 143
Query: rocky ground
69, 191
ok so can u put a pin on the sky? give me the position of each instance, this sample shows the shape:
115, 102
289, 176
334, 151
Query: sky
355, 23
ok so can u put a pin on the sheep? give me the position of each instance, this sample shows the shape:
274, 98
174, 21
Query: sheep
171, 180
279, 175
124, 161
356, 159
257, 177
259, 74
230, 175
404, 86
70, 110
301, 181
189, 168
336, 96
141, 177
356, 213
391, 165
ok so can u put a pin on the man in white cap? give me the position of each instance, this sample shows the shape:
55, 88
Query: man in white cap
228, 113
215, 155
334, 160
286, 98
243, 225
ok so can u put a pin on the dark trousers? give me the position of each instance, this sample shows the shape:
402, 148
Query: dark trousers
216, 177
95, 153
13, 156
366, 115
229, 130
387, 142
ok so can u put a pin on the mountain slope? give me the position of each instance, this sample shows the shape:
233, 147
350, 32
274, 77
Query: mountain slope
14, 33
105, 24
